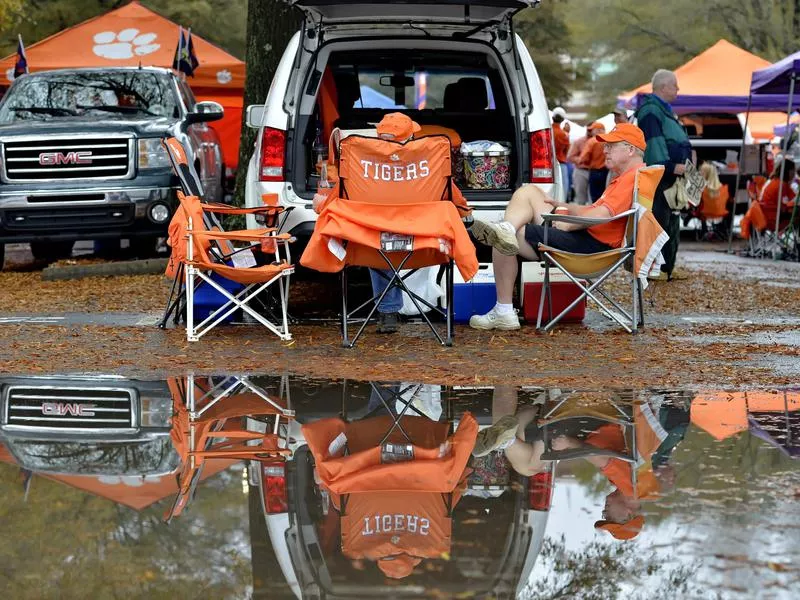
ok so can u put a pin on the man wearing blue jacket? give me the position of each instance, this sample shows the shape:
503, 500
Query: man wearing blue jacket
668, 145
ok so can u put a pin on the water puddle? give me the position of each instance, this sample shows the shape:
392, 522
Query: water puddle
288, 487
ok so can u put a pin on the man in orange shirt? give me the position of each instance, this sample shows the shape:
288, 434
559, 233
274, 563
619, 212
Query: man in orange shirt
593, 159
522, 228
561, 143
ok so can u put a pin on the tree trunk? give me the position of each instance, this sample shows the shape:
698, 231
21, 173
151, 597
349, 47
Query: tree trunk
270, 26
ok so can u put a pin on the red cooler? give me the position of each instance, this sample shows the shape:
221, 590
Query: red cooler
564, 292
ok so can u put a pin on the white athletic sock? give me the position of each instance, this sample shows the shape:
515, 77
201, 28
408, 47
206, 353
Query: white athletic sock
504, 309
507, 225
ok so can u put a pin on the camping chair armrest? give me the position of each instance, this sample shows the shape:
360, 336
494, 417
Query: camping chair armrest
245, 235
583, 452
224, 209
549, 218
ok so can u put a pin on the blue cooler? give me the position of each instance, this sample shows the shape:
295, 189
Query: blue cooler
207, 299
474, 297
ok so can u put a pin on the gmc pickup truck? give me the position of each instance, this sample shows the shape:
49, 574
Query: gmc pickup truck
81, 156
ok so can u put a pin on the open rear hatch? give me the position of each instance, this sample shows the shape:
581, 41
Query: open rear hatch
469, 13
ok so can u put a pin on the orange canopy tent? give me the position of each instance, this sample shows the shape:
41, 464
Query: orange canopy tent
724, 414
134, 35
133, 492
713, 81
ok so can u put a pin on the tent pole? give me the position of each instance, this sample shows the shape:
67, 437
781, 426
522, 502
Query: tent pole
739, 171
783, 162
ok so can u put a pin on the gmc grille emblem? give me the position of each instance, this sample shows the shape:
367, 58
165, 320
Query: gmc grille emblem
65, 158
60, 409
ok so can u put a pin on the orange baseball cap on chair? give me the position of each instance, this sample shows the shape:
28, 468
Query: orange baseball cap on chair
624, 132
397, 126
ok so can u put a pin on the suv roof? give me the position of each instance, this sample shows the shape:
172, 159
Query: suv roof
467, 12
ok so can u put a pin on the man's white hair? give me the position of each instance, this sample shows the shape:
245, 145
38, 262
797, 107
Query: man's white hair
661, 78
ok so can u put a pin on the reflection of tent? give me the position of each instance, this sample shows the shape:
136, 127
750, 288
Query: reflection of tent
771, 416
134, 35
717, 80
134, 492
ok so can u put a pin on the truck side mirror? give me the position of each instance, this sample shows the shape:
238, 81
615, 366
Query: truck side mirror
205, 111
255, 115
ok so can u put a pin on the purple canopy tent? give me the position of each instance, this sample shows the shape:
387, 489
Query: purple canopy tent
685, 104
780, 79
775, 82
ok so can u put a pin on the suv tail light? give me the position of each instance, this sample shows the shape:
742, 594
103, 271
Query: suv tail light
541, 156
273, 478
540, 490
273, 152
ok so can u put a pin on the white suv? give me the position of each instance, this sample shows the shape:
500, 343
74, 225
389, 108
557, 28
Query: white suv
451, 63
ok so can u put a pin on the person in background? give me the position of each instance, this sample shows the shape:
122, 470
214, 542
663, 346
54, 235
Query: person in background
769, 193
561, 143
580, 177
620, 116
668, 145
593, 159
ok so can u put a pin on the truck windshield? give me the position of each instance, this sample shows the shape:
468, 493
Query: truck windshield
141, 457
64, 95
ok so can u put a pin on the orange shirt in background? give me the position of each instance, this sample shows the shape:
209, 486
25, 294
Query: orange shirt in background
561, 141
592, 157
575, 150
769, 199
617, 198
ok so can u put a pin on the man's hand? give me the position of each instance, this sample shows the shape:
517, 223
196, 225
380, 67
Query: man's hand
563, 442
679, 169
318, 199
554, 203
565, 127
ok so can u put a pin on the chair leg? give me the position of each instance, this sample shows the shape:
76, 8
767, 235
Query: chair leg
172, 305
641, 306
345, 341
449, 294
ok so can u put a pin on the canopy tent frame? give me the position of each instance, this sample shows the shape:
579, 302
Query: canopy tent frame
765, 82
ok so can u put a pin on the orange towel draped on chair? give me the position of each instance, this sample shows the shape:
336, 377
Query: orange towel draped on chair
386, 186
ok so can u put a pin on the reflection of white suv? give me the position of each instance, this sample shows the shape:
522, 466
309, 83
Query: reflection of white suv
450, 63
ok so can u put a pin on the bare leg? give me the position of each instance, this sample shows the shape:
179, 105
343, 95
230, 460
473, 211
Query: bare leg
527, 205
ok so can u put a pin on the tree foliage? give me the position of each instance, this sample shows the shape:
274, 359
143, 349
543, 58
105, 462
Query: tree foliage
640, 36
545, 33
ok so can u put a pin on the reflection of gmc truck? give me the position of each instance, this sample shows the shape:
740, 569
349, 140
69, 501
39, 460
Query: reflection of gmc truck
81, 156
86, 425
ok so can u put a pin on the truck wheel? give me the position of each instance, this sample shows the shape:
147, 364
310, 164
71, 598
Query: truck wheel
51, 251
2, 255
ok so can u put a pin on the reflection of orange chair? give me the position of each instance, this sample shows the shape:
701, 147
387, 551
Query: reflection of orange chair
208, 424
393, 206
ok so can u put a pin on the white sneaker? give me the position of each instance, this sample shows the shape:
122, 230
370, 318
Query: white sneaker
497, 235
495, 320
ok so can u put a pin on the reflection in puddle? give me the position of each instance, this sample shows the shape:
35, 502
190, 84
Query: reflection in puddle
279, 486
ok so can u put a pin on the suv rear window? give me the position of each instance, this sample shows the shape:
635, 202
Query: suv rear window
380, 88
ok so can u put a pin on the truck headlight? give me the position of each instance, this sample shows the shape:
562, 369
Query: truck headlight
156, 412
152, 154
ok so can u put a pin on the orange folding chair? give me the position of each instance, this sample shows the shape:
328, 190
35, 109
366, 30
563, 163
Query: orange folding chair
200, 250
392, 208
232, 419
